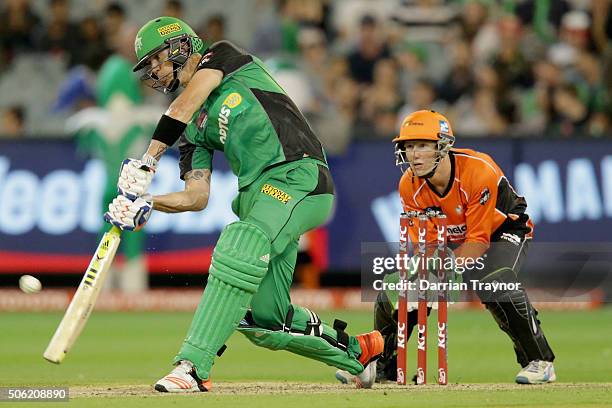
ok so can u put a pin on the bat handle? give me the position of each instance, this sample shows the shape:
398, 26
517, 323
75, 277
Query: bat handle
115, 230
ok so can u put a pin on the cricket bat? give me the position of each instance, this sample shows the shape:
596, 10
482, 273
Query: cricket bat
84, 299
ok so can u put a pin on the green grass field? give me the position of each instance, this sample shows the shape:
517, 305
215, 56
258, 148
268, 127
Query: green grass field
120, 355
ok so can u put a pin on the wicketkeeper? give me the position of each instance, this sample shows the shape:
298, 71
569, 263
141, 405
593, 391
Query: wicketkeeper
486, 220
230, 103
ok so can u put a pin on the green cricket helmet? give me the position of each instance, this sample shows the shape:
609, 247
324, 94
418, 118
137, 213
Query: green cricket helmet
166, 33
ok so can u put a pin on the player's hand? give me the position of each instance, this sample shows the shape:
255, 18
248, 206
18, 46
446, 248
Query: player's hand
134, 178
127, 214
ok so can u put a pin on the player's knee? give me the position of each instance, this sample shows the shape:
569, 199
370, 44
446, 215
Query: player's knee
241, 256
266, 318
498, 285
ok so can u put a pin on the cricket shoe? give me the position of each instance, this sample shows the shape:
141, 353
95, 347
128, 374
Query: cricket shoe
372, 346
344, 377
537, 372
363, 380
183, 379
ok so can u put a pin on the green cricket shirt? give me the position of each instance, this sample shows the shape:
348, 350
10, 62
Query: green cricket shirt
248, 117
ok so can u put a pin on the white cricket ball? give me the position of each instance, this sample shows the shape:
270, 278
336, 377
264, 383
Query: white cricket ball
29, 284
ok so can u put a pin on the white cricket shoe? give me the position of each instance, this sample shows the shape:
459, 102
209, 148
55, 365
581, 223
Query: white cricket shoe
537, 372
183, 379
344, 377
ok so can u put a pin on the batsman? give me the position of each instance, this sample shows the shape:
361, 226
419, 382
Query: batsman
230, 103
486, 219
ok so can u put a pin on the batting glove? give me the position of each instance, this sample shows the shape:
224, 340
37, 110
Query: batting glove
127, 214
135, 177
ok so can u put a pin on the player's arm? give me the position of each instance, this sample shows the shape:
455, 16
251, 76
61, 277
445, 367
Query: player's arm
193, 198
179, 113
136, 175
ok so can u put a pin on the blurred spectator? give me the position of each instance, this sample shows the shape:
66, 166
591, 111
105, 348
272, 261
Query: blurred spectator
315, 62
381, 100
569, 115
17, 27
215, 28
412, 60
472, 17
425, 20
543, 15
421, 96
77, 91
573, 38
370, 49
479, 115
294, 81
509, 62
345, 93
278, 33
115, 24
536, 103
321, 73
93, 48
499, 66
592, 92
602, 24
173, 8
459, 79
13, 122
60, 35
488, 110
319, 15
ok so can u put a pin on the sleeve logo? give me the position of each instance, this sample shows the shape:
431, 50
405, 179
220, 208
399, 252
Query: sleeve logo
484, 196
169, 29
277, 193
234, 99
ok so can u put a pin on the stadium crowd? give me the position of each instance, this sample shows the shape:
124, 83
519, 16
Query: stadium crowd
520, 68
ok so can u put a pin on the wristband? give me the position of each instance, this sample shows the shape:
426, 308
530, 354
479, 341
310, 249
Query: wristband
168, 130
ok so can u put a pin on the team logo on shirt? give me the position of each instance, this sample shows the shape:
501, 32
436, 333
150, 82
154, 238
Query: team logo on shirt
277, 193
234, 99
484, 196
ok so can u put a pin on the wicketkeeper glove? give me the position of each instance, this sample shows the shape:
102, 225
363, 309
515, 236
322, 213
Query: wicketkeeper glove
127, 214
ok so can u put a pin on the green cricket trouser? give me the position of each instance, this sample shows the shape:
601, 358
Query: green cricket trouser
286, 201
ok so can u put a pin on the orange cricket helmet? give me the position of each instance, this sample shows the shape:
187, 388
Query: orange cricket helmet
425, 125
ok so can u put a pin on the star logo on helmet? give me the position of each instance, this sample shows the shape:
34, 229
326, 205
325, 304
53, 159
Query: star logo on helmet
138, 43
